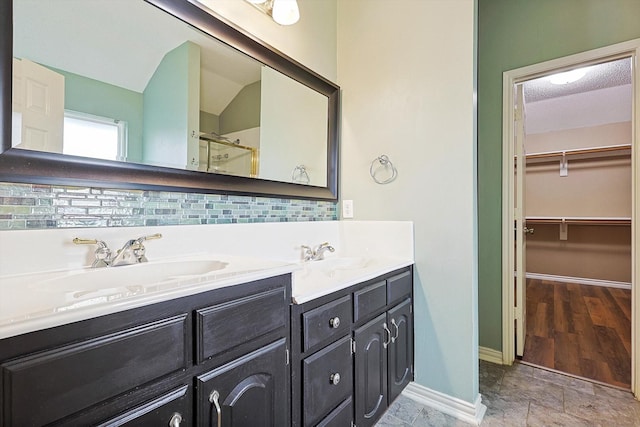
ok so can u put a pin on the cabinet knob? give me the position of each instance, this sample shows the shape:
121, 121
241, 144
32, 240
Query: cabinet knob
334, 322
334, 379
175, 420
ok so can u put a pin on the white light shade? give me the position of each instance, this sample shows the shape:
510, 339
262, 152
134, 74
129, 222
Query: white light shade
256, 1
285, 12
568, 76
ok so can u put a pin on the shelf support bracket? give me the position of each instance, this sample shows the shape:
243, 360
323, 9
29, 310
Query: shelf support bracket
564, 164
564, 230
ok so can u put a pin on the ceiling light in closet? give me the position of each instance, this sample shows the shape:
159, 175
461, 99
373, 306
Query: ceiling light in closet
567, 76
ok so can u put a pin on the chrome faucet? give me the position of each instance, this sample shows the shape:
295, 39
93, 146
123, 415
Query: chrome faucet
317, 253
133, 251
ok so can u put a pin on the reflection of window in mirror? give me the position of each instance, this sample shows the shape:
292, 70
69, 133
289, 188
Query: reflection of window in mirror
94, 136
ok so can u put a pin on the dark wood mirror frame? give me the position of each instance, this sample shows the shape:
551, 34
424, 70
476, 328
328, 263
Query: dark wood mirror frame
26, 166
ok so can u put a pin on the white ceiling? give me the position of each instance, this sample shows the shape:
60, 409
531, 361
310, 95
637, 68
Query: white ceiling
121, 42
602, 96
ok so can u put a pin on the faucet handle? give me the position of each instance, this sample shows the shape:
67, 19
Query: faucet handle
307, 253
102, 254
81, 241
138, 248
149, 237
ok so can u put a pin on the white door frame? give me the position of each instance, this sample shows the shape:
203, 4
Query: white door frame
510, 78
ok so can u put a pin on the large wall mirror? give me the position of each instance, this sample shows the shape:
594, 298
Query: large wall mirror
159, 94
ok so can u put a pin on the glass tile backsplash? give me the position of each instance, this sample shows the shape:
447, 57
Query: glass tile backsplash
31, 206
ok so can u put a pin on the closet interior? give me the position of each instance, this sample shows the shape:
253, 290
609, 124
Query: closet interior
578, 201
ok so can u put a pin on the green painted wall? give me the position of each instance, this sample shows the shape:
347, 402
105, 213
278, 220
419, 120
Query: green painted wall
513, 34
102, 99
243, 112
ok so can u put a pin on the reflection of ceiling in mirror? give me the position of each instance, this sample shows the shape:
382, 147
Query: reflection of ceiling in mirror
120, 42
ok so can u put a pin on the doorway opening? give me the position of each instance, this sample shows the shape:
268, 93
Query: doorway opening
570, 192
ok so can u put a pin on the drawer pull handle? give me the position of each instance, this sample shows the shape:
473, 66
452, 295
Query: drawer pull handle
213, 398
335, 378
388, 333
395, 325
334, 322
175, 420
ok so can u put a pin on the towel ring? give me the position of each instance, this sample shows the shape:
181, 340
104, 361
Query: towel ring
384, 163
300, 175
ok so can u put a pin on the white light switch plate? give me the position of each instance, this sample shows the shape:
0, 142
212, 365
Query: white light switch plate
347, 208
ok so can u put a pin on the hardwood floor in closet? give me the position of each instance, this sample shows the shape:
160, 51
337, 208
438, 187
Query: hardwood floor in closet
580, 329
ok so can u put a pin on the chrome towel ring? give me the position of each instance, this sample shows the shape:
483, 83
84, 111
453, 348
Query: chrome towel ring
382, 164
300, 175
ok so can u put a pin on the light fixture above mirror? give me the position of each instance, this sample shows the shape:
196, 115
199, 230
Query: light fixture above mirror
283, 12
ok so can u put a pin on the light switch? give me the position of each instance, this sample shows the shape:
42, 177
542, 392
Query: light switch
347, 208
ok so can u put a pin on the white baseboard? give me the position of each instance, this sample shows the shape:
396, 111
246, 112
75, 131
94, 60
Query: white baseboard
471, 413
490, 355
579, 280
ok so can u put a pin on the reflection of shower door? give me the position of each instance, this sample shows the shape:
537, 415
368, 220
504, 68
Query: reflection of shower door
228, 158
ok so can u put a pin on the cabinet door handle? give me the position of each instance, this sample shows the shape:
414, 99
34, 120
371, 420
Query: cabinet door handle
213, 398
334, 322
388, 332
395, 325
175, 420
335, 378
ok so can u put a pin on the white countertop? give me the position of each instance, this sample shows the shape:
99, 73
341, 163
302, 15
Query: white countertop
42, 300
49, 284
37, 301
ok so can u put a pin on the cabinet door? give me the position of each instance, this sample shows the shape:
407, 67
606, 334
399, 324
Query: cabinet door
250, 391
371, 371
400, 350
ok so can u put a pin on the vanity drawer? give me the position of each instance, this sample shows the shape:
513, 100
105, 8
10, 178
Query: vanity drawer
369, 300
327, 378
329, 320
74, 377
399, 286
222, 327
172, 407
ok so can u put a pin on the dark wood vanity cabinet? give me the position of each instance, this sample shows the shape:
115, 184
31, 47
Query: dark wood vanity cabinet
158, 364
364, 334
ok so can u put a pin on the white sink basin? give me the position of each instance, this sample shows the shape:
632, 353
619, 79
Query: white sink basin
318, 278
339, 263
334, 266
123, 280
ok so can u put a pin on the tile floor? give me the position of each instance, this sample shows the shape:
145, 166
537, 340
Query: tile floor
522, 395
